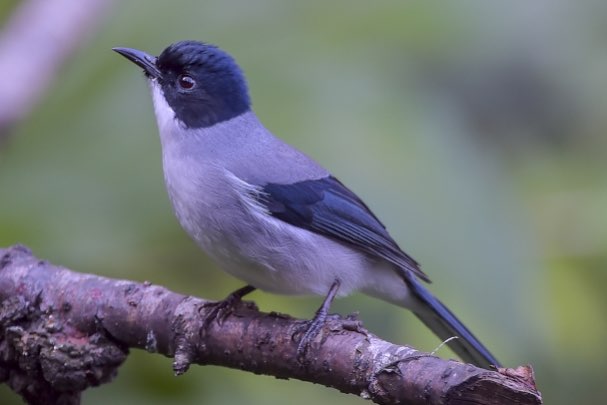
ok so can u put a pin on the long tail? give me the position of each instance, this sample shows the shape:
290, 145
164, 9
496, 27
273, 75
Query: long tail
445, 325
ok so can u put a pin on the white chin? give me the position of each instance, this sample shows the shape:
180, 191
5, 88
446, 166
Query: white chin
165, 115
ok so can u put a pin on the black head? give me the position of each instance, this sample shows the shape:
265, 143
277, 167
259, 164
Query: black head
200, 82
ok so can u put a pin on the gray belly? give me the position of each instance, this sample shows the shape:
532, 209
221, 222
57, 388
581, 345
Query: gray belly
264, 251
272, 255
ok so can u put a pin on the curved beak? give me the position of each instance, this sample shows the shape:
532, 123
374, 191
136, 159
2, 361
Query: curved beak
145, 61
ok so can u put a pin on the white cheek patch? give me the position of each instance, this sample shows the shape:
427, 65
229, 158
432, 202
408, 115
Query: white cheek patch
165, 116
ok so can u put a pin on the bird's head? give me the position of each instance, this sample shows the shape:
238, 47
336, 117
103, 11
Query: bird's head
199, 82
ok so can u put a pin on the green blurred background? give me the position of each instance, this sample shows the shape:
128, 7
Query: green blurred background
475, 130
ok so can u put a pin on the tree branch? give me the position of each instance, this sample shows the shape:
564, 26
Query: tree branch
62, 331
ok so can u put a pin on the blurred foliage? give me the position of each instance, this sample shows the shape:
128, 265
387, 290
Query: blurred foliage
475, 130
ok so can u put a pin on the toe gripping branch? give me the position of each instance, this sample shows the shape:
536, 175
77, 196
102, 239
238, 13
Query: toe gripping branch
184, 329
315, 324
222, 309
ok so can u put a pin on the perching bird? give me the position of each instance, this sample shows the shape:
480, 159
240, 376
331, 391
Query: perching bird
267, 213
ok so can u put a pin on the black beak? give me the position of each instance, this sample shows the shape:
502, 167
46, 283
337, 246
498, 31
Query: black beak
141, 59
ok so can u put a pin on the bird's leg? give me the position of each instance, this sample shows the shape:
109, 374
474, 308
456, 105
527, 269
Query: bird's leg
317, 322
221, 309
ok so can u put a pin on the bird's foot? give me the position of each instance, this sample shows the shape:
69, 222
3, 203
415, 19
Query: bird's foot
313, 327
222, 309
316, 323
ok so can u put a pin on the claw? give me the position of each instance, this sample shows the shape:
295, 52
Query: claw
316, 323
222, 309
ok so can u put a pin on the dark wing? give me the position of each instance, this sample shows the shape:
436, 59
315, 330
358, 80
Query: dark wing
327, 207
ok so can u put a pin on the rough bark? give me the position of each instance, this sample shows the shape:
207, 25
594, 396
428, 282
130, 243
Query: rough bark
62, 331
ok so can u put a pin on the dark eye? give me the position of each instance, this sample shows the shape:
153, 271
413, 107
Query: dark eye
186, 82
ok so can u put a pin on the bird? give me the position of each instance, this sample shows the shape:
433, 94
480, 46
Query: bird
268, 213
